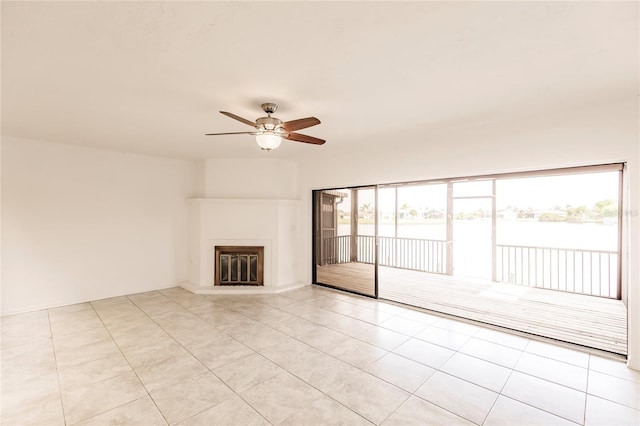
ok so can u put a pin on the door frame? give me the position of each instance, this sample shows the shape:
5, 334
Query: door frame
316, 208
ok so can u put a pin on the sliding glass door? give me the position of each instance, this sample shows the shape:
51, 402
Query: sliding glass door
561, 231
473, 228
345, 223
520, 250
554, 229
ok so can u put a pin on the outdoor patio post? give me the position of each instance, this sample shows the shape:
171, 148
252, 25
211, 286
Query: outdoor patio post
353, 246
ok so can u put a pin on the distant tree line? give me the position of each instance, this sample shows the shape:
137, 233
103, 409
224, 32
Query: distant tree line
599, 212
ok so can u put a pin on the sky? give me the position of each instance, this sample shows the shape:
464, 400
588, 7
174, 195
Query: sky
542, 192
546, 192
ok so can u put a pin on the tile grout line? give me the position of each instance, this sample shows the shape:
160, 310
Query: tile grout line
178, 302
414, 336
285, 370
198, 359
340, 332
314, 348
505, 384
458, 351
128, 363
523, 351
514, 332
211, 371
410, 394
438, 370
55, 360
539, 378
388, 352
586, 392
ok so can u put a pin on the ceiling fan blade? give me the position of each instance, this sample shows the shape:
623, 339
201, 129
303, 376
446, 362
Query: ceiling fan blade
299, 137
240, 119
229, 133
301, 123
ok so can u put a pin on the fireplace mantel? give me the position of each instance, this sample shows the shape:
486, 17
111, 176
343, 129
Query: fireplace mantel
272, 223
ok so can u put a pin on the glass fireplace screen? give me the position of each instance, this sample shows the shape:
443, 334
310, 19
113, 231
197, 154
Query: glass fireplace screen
239, 266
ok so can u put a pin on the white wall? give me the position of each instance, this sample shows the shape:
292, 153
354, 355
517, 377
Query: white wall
633, 271
588, 134
251, 178
82, 224
290, 230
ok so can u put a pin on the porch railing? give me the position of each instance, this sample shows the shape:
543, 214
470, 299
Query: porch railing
366, 248
336, 249
570, 270
413, 253
406, 253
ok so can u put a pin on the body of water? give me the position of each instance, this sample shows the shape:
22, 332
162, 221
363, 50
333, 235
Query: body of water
584, 236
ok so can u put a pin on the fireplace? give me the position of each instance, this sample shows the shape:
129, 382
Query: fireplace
238, 225
239, 265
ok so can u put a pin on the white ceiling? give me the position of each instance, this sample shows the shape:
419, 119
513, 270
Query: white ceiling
150, 77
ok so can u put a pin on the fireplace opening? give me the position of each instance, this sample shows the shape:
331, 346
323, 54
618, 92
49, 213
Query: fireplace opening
239, 265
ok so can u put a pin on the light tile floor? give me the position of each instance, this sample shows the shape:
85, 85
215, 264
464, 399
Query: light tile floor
312, 356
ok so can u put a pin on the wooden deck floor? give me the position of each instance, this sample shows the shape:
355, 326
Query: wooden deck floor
584, 320
357, 277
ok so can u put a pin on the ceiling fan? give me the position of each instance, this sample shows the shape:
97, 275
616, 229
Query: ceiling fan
269, 131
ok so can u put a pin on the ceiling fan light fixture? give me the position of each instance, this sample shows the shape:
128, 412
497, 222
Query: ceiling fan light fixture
268, 141
269, 131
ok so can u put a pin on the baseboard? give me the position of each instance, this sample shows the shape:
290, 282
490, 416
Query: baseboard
60, 304
291, 287
196, 289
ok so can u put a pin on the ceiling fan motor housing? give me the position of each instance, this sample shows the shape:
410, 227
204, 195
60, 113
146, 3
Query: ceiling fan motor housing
268, 123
